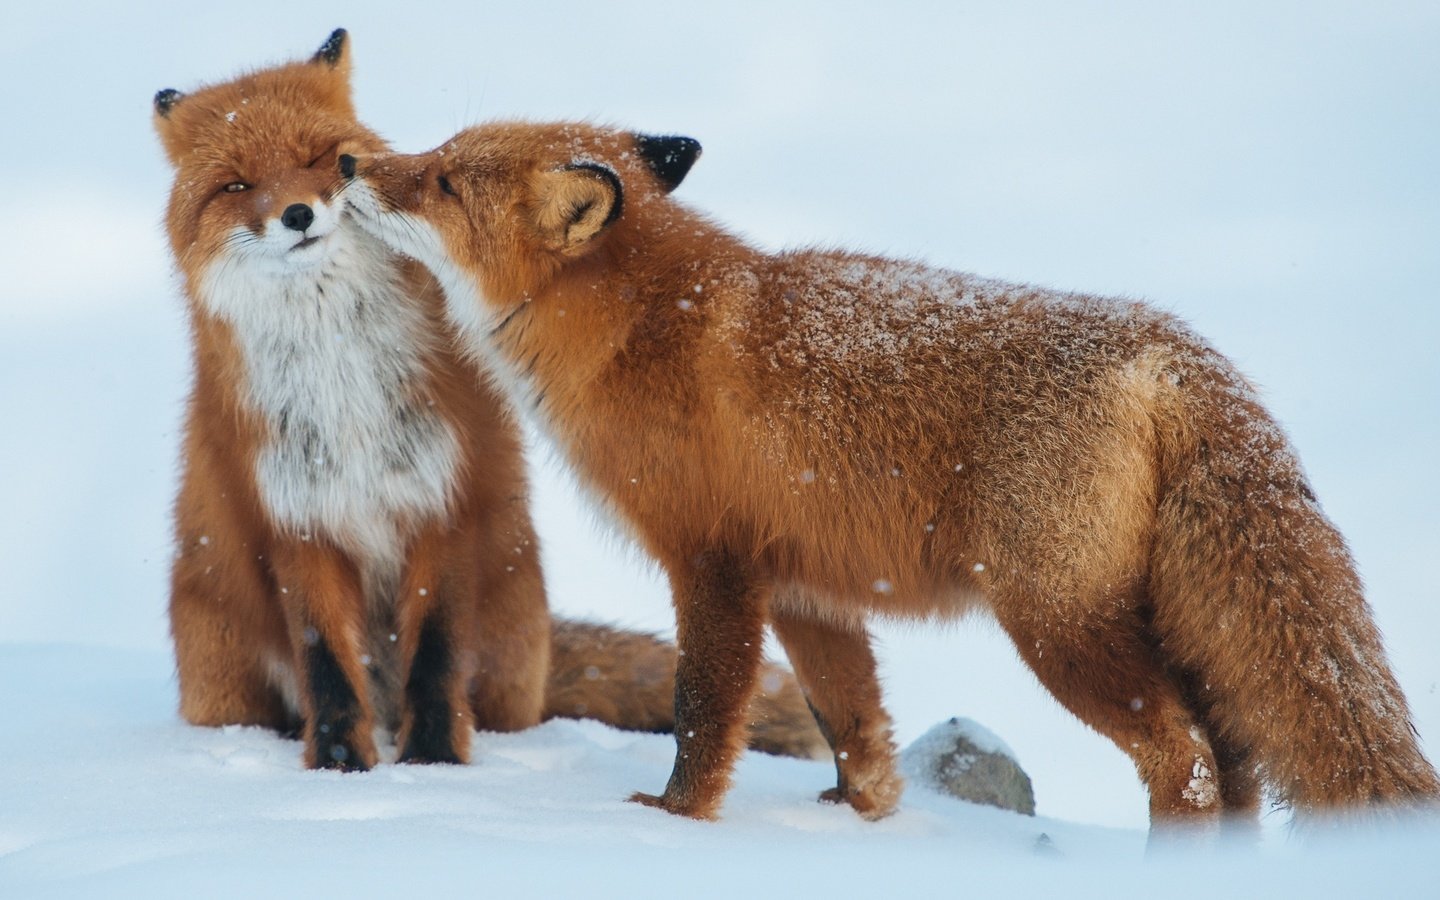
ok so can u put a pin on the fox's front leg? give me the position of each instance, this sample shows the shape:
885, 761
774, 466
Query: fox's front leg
324, 607
837, 671
720, 621
435, 610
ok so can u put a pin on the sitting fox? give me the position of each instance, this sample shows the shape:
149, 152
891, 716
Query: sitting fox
354, 538
810, 438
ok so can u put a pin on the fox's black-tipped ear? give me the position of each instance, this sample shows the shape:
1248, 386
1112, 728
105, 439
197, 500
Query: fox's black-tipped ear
332, 52
165, 101
670, 157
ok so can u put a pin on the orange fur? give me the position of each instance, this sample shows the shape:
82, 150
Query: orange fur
308, 592
810, 438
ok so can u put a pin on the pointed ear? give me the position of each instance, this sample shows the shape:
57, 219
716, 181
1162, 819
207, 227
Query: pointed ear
574, 204
165, 101
335, 52
669, 157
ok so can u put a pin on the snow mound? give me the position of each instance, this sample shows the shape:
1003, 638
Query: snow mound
964, 759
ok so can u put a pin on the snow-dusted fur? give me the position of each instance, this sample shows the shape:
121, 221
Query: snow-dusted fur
812, 437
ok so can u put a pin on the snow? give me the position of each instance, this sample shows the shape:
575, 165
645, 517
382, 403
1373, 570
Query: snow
1264, 171
107, 795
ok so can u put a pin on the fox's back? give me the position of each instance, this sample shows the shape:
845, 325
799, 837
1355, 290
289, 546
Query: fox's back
889, 420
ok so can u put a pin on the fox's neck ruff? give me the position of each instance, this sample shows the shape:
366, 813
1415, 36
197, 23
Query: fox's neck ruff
334, 355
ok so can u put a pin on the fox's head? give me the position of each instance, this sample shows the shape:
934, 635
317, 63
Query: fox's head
255, 163
499, 209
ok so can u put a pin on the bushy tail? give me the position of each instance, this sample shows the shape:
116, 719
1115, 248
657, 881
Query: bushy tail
1256, 595
627, 679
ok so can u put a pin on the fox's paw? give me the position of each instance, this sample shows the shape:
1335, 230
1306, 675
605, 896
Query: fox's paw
832, 795
434, 745
872, 802
670, 806
340, 756
351, 750
445, 757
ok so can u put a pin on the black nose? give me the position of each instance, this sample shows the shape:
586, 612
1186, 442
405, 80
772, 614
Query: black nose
347, 165
297, 217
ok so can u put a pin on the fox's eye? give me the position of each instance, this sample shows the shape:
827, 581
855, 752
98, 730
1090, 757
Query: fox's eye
446, 186
322, 157
236, 187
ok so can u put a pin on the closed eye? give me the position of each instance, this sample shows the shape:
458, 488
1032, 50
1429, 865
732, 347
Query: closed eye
446, 186
323, 156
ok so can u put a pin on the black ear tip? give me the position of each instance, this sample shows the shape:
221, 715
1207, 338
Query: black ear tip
165, 100
669, 156
333, 49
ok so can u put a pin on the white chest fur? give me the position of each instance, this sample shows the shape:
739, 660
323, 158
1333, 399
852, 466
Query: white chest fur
335, 363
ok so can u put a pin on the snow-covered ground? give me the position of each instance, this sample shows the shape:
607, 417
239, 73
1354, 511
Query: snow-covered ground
107, 795
1268, 171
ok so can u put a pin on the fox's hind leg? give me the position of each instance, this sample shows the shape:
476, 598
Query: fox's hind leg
232, 656
836, 670
1240, 786
434, 613
232, 653
1096, 658
475, 635
511, 630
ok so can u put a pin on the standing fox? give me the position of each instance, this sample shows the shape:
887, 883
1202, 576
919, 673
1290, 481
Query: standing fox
809, 438
354, 543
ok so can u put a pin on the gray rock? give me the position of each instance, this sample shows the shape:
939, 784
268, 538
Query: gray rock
965, 760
